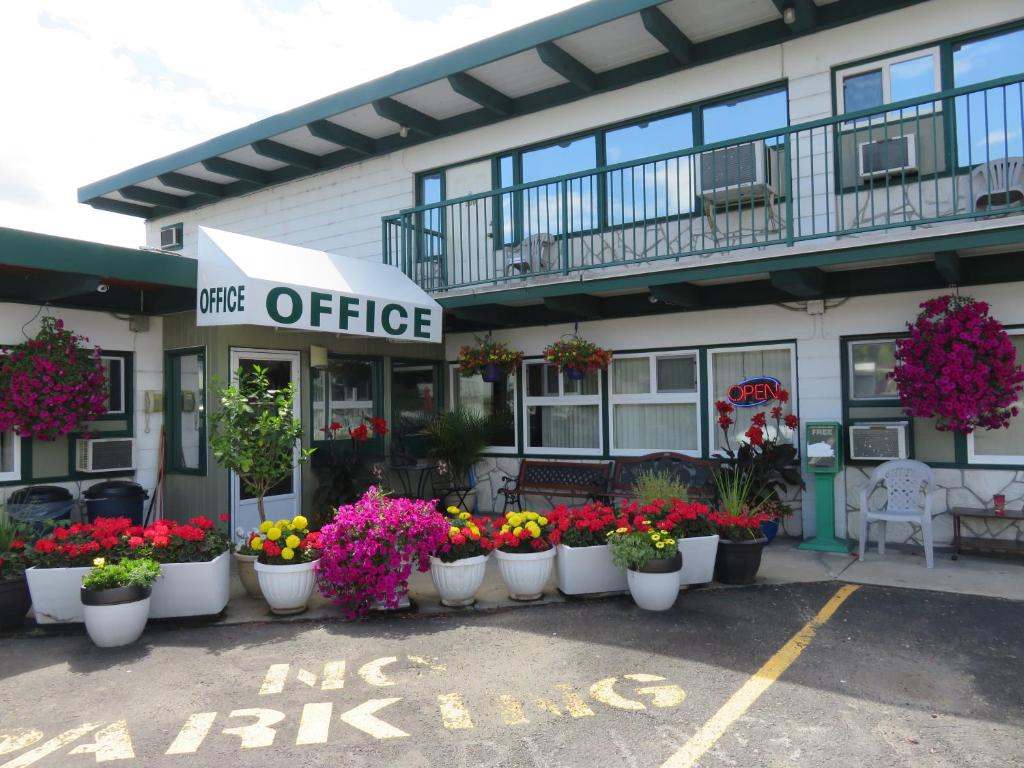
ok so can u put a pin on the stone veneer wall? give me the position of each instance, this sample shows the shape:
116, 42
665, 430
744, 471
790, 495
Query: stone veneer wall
972, 488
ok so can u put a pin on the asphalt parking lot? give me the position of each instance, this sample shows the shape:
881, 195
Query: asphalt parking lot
764, 676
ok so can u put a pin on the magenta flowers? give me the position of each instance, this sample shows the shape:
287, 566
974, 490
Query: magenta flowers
958, 366
368, 551
51, 385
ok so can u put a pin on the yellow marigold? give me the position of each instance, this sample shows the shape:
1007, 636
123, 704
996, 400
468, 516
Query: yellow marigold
99, 562
287, 553
274, 534
464, 515
531, 515
452, 510
256, 543
660, 545
517, 530
282, 523
514, 519
452, 530
533, 528
265, 526
293, 541
299, 522
505, 528
542, 520
622, 530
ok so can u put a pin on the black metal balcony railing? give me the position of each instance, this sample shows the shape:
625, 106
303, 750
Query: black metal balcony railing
955, 155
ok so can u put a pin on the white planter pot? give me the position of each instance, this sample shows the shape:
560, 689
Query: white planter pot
526, 574
55, 596
192, 589
653, 591
457, 583
110, 626
286, 588
588, 570
699, 555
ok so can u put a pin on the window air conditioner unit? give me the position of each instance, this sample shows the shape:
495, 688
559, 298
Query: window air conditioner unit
171, 237
105, 455
888, 157
878, 442
745, 172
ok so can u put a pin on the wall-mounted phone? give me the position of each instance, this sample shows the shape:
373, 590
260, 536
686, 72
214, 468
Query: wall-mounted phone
152, 402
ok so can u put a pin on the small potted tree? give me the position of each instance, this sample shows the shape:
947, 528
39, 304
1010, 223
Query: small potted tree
254, 432
456, 439
14, 597
115, 599
458, 568
652, 562
525, 554
287, 555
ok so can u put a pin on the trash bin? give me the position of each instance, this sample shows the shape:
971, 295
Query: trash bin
40, 504
115, 498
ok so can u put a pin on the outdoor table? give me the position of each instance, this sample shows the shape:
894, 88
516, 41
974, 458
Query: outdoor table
413, 477
979, 543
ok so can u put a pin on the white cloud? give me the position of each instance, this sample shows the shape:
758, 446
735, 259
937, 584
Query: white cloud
92, 89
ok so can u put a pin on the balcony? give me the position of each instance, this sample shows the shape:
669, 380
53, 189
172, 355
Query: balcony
939, 162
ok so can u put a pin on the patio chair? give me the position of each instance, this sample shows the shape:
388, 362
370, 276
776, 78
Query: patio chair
998, 184
905, 481
531, 255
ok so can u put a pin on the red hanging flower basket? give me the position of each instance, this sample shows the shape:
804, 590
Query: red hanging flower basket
577, 356
51, 385
958, 366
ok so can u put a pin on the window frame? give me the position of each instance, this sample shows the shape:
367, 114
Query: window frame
14, 475
505, 450
793, 389
974, 458
316, 436
885, 63
127, 386
562, 400
850, 343
653, 397
172, 397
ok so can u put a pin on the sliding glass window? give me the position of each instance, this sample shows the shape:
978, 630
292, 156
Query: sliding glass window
547, 209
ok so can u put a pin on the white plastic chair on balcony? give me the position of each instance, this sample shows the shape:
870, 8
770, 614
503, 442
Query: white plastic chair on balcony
533, 254
997, 184
910, 487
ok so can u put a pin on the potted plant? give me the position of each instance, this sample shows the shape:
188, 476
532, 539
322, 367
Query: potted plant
115, 599
51, 385
687, 522
456, 439
369, 550
14, 597
490, 359
775, 511
652, 563
254, 432
525, 554
458, 568
584, 563
739, 526
577, 356
287, 553
245, 558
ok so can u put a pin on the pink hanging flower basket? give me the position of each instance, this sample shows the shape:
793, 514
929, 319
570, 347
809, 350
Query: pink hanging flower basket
958, 366
51, 385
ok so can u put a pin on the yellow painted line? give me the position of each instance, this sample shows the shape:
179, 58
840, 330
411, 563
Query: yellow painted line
574, 703
315, 724
372, 672
511, 710
663, 695
192, 734
51, 746
454, 712
275, 679
111, 743
334, 676
364, 718
698, 745
19, 738
259, 734
306, 678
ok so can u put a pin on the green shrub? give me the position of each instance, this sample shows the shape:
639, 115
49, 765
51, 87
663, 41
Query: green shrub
140, 572
658, 485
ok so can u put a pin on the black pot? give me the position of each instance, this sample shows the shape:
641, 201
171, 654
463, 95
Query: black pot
14, 603
662, 565
114, 596
738, 561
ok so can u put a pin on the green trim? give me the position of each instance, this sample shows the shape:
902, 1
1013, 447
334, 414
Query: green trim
172, 411
36, 251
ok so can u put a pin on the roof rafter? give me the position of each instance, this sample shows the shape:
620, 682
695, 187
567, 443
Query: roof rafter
342, 136
668, 34
487, 97
191, 184
565, 65
275, 150
225, 167
153, 197
403, 114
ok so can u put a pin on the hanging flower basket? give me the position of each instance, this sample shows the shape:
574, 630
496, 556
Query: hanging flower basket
958, 366
490, 359
51, 385
577, 356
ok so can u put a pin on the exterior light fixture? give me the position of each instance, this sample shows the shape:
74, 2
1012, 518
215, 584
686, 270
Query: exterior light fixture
403, 131
789, 14
102, 288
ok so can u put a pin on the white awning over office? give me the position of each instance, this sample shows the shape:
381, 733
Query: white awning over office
245, 280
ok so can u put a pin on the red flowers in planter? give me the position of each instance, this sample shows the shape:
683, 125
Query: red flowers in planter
586, 526
958, 366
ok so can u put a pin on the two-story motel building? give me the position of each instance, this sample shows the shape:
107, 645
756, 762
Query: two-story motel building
714, 191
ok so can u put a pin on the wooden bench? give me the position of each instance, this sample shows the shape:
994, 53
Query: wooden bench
568, 479
697, 474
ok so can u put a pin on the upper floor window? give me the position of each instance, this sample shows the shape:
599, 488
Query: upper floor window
738, 117
897, 78
545, 206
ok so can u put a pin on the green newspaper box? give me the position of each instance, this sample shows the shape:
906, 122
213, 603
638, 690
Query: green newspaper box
823, 457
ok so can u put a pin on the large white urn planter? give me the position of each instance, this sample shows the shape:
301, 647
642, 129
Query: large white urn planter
286, 588
55, 593
192, 589
457, 583
655, 586
587, 571
115, 617
526, 574
699, 553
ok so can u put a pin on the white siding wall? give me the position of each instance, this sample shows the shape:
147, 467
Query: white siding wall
340, 211
107, 332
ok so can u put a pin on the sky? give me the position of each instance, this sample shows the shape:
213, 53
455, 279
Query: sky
94, 88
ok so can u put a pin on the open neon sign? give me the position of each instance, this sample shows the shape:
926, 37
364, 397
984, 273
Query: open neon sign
752, 392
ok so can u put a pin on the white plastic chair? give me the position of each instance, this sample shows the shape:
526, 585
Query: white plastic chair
998, 184
905, 482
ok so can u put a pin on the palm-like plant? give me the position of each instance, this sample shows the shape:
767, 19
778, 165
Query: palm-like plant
457, 439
